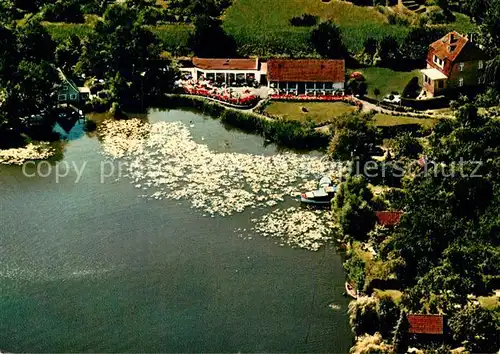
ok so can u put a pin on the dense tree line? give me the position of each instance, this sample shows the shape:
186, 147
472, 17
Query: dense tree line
126, 54
27, 77
447, 246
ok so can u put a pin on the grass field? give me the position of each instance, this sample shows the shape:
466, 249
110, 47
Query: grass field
386, 80
265, 24
261, 27
61, 31
385, 120
174, 38
318, 112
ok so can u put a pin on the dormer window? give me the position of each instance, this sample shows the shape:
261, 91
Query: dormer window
439, 62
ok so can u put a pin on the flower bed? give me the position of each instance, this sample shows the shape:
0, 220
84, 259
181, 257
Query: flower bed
246, 101
321, 98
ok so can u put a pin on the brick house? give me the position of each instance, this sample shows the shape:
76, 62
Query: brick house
453, 62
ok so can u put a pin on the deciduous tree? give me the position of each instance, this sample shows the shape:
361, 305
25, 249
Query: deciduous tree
327, 40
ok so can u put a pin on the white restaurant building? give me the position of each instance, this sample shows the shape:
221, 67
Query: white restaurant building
229, 71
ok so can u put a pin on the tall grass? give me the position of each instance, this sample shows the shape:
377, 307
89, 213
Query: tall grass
61, 31
174, 37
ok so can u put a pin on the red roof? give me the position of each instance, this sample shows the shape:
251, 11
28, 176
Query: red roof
426, 324
388, 218
226, 64
306, 70
450, 46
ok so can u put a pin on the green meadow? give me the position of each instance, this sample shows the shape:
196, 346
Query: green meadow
262, 24
261, 27
174, 37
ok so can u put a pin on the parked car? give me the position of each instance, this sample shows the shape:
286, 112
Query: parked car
391, 98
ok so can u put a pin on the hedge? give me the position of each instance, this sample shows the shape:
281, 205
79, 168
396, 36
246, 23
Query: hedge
410, 90
422, 105
389, 132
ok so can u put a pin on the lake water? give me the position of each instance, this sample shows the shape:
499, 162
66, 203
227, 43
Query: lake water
92, 267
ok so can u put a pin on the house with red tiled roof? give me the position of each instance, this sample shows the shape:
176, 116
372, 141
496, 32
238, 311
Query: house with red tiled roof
306, 76
453, 62
388, 218
426, 324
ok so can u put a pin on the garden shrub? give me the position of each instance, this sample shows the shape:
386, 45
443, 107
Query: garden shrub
306, 20
411, 89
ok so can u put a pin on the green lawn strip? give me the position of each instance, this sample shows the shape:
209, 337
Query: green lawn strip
386, 80
386, 120
318, 112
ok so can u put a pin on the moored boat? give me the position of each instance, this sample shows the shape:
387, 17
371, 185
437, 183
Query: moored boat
349, 289
322, 196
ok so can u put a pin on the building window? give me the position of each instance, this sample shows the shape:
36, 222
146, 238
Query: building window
61, 97
440, 84
461, 65
480, 65
72, 96
461, 82
438, 61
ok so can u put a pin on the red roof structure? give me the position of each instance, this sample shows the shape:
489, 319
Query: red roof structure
426, 324
451, 48
226, 64
305, 70
388, 218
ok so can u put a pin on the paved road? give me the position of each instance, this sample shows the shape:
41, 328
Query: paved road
367, 107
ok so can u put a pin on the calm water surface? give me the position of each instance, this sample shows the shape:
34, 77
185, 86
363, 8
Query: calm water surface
92, 267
